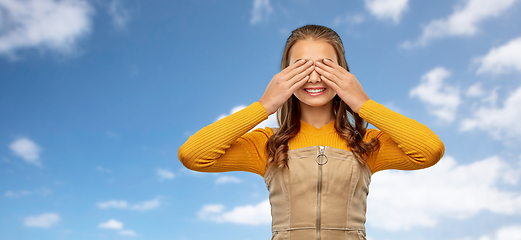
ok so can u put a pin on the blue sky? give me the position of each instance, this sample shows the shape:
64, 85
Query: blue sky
97, 96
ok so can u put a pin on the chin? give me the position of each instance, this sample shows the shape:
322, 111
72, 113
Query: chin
316, 103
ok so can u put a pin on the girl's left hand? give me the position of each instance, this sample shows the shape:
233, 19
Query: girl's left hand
345, 84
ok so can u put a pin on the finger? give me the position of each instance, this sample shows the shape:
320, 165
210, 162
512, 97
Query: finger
326, 67
329, 75
296, 80
298, 65
301, 69
288, 76
328, 64
291, 67
333, 70
330, 83
295, 87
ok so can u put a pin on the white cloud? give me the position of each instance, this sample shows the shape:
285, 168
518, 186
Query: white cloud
111, 224
164, 174
227, 179
403, 200
43, 24
512, 232
121, 204
500, 122
27, 150
113, 204
442, 100
20, 193
463, 21
127, 232
45, 220
270, 122
147, 205
248, 215
117, 225
387, 9
120, 15
476, 90
261, 11
501, 59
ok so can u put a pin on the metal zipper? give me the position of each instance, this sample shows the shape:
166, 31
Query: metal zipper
319, 185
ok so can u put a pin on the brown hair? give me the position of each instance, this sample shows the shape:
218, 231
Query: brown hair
350, 127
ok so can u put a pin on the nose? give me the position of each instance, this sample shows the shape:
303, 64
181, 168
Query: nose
314, 77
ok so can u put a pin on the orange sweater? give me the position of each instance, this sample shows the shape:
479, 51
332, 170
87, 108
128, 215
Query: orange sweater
226, 145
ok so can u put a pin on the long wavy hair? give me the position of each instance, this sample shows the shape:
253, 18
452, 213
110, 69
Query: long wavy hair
348, 124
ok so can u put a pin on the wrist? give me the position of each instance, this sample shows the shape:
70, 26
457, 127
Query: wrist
266, 107
359, 105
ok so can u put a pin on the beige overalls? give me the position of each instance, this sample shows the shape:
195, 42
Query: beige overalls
321, 195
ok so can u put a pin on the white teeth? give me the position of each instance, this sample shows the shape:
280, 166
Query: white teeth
315, 90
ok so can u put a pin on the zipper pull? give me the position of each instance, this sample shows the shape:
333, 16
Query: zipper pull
321, 155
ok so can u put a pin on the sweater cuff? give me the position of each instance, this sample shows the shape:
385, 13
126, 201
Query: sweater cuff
258, 110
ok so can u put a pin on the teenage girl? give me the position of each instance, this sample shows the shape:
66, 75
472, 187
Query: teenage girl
317, 166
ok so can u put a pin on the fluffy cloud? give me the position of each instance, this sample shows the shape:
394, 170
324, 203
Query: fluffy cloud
476, 90
261, 11
402, 200
117, 225
120, 15
113, 204
463, 21
248, 215
45, 220
111, 224
387, 9
28, 150
512, 232
442, 99
227, 179
20, 193
54, 25
164, 174
144, 206
501, 59
270, 122
147, 205
500, 122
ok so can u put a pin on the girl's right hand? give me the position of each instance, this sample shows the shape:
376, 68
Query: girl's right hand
285, 83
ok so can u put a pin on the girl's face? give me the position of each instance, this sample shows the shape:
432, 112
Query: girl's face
315, 92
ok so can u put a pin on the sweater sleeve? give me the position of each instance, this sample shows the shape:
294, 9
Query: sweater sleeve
226, 145
405, 144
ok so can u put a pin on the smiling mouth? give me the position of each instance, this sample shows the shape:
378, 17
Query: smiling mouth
317, 90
